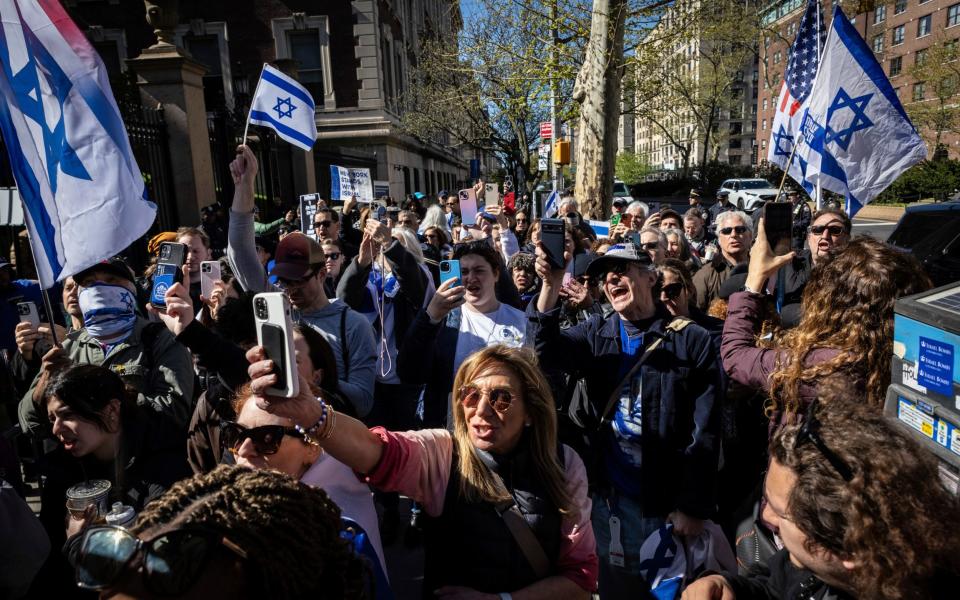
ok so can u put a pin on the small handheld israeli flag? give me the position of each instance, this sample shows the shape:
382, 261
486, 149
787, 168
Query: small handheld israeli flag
285, 106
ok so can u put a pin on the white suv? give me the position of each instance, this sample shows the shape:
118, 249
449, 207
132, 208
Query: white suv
749, 194
620, 190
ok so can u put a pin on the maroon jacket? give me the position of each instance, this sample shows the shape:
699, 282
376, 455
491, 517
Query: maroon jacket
749, 365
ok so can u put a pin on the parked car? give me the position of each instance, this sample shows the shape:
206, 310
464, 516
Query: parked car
931, 232
620, 190
749, 194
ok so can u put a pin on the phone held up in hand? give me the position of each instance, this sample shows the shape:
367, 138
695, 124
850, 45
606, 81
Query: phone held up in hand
450, 269
271, 312
552, 233
28, 313
169, 265
778, 225
209, 276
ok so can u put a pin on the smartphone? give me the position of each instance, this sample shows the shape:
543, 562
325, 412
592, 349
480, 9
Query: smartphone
778, 225
552, 232
169, 265
468, 206
450, 269
634, 238
29, 313
271, 312
209, 275
381, 214
615, 220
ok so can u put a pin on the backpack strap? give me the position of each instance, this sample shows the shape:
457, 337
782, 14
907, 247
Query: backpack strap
344, 348
676, 325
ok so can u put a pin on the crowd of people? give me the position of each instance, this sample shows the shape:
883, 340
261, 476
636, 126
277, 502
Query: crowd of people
558, 429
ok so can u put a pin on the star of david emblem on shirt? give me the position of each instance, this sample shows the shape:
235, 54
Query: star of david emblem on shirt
781, 136
860, 120
281, 113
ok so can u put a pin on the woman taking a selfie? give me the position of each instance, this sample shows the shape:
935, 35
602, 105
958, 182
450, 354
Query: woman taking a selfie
509, 505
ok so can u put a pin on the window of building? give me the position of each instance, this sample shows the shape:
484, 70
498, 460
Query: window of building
307, 40
896, 65
763, 124
878, 43
899, 6
921, 57
918, 90
923, 25
880, 14
305, 49
898, 35
735, 159
953, 15
777, 56
763, 144
765, 103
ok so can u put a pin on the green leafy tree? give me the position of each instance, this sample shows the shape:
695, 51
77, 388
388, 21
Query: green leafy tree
631, 168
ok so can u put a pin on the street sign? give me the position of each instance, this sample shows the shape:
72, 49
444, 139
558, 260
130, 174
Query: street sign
546, 130
541, 164
543, 151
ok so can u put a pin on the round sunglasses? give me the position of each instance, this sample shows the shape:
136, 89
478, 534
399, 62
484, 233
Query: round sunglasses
500, 399
169, 564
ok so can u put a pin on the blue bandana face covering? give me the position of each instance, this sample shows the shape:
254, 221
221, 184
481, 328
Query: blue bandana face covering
108, 312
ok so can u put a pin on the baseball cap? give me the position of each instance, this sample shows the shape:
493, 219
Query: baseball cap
722, 193
296, 255
694, 193
114, 266
620, 202
419, 195
670, 213
444, 193
624, 252
582, 262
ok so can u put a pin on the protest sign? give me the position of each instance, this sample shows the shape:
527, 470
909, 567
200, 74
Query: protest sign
308, 209
347, 182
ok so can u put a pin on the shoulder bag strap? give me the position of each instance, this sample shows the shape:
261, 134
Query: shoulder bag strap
675, 325
344, 348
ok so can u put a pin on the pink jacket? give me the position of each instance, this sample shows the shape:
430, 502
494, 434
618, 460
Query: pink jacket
417, 464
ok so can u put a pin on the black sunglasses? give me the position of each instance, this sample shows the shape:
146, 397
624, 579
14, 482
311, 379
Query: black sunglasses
672, 290
322, 224
649, 246
333, 256
170, 564
500, 398
266, 438
740, 229
810, 431
833, 229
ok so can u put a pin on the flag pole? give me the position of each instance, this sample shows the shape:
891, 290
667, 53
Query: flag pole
47, 305
819, 201
246, 125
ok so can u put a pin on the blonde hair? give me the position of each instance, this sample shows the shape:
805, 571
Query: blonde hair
477, 481
409, 240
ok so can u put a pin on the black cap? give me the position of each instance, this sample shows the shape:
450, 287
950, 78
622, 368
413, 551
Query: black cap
581, 263
115, 266
620, 202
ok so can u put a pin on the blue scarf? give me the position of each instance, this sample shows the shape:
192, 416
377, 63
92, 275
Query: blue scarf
108, 312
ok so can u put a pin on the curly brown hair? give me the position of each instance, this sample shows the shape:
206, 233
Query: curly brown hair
847, 306
893, 518
289, 531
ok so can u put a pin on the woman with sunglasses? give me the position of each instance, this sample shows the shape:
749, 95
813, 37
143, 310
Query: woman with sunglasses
102, 434
677, 293
500, 468
846, 328
226, 534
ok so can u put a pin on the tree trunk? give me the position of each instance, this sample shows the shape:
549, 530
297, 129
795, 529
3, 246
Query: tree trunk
597, 90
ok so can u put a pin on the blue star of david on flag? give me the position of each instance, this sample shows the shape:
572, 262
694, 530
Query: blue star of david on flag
779, 137
860, 121
281, 113
275, 105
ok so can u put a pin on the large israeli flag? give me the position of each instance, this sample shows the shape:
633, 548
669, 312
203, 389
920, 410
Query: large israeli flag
285, 106
855, 137
82, 191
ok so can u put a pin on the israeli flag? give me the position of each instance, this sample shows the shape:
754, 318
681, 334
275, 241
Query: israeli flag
552, 205
83, 194
855, 137
285, 106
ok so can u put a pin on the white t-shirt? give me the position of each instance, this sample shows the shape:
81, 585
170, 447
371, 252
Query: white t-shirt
506, 325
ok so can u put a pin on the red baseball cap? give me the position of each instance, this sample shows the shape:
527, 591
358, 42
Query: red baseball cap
297, 254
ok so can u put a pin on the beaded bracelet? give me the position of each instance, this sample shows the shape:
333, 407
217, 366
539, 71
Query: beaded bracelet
309, 434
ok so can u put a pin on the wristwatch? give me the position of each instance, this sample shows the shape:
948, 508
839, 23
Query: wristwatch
750, 290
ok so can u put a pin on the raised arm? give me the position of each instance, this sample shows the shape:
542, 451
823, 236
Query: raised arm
241, 240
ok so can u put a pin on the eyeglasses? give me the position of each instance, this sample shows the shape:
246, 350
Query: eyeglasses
323, 224
649, 246
617, 268
810, 431
333, 256
740, 229
672, 290
454, 203
169, 564
500, 398
266, 438
833, 229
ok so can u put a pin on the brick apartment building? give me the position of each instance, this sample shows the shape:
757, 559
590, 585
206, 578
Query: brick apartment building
355, 57
899, 31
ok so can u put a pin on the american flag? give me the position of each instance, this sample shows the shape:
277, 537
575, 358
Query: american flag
797, 82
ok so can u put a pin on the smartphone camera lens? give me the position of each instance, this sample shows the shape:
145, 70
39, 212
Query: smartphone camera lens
261, 306
444, 267
23, 310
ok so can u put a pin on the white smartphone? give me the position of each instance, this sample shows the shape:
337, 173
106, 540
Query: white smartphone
275, 334
468, 206
209, 275
29, 313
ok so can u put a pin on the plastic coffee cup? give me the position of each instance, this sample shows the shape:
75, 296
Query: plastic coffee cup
82, 495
